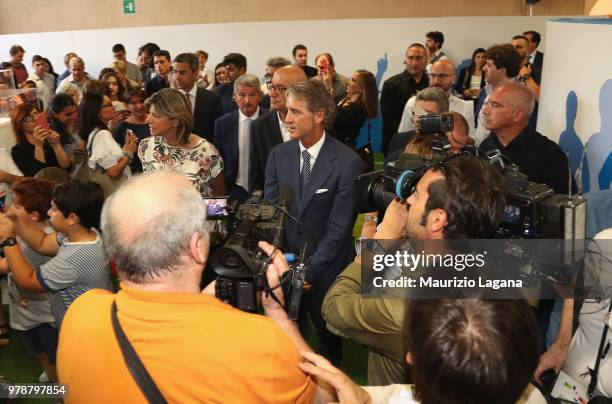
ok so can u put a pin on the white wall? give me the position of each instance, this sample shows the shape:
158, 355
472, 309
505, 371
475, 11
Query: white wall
353, 43
579, 59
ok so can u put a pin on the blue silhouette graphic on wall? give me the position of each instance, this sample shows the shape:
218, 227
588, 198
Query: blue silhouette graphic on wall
570, 142
375, 125
599, 146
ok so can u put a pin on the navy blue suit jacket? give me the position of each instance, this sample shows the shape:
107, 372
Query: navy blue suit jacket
226, 141
325, 207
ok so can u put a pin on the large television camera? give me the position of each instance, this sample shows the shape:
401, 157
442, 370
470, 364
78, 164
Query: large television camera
532, 210
241, 265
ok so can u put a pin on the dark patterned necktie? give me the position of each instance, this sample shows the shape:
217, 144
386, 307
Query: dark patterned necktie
305, 170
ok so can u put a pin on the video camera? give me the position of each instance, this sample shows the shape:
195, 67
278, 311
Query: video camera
241, 265
532, 210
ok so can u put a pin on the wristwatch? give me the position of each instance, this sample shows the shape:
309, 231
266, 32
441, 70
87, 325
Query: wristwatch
9, 242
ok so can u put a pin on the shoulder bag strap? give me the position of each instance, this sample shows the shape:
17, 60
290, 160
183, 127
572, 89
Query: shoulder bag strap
134, 364
93, 137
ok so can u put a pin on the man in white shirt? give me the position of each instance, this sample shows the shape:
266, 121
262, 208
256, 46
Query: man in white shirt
442, 76
233, 134
434, 41
45, 82
78, 77
132, 71
205, 105
502, 66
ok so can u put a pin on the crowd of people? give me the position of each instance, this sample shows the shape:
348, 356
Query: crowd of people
105, 238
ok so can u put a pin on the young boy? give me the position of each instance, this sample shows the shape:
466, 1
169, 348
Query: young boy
80, 261
30, 313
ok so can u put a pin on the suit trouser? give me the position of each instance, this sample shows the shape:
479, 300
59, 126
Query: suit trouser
312, 301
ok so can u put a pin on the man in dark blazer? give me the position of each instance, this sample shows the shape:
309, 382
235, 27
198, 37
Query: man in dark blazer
536, 57
235, 66
267, 131
398, 89
205, 105
232, 136
320, 170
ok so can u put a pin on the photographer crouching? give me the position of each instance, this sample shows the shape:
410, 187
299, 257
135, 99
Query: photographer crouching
160, 339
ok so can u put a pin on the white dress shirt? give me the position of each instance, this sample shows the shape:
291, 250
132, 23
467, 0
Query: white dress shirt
455, 104
191, 96
244, 133
313, 151
44, 87
283, 128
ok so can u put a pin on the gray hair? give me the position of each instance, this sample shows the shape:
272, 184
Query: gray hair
436, 95
190, 58
157, 244
316, 96
519, 96
278, 61
247, 80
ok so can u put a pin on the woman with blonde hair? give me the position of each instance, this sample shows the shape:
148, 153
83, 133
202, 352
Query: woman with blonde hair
119, 66
172, 145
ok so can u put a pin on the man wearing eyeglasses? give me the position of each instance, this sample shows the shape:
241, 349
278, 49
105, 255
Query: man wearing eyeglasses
269, 130
506, 114
442, 76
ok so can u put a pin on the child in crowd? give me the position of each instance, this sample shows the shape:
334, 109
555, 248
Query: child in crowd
30, 313
80, 262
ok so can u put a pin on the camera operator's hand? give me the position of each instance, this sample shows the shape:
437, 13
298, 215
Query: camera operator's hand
346, 389
275, 270
393, 225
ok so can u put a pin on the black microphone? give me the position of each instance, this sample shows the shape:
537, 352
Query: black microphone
285, 198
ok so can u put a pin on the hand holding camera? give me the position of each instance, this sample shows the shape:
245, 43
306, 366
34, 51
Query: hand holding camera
40, 135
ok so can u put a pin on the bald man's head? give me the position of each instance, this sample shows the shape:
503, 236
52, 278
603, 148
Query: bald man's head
283, 78
149, 237
442, 75
509, 106
518, 96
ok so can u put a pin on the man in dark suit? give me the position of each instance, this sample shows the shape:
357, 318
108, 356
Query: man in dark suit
205, 105
399, 88
269, 129
320, 170
235, 66
536, 57
232, 136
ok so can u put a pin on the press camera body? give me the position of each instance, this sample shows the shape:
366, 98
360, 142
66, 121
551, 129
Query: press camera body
532, 210
241, 265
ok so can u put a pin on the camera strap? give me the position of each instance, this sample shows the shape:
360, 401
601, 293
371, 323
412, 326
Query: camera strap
134, 364
601, 353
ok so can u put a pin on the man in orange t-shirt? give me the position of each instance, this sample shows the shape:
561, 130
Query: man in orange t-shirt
194, 347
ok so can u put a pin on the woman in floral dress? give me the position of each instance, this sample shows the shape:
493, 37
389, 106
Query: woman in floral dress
173, 146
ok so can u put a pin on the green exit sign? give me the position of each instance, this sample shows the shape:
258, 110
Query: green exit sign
128, 7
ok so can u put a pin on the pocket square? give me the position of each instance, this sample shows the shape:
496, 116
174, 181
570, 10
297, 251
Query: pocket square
321, 190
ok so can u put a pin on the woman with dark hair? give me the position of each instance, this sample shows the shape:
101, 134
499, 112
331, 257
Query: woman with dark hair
104, 154
114, 89
359, 105
36, 147
220, 76
471, 78
135, 123
62, 115
49, 68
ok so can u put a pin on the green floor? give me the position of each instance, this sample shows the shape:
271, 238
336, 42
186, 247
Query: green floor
17, 366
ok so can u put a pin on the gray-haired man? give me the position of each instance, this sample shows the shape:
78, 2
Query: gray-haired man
233, 135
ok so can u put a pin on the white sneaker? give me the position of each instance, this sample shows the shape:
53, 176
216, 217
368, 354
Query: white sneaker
43, 378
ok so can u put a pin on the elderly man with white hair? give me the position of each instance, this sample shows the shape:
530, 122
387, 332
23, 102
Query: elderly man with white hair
159, 338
